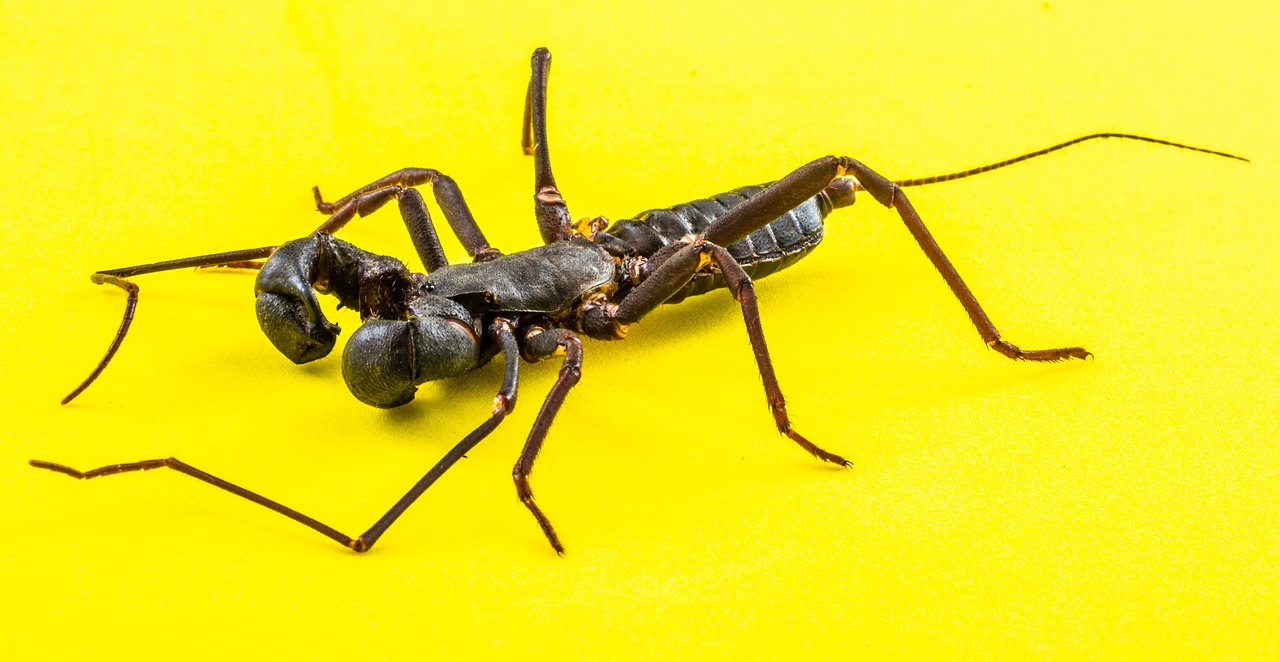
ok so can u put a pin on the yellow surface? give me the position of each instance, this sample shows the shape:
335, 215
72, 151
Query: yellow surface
1124, 506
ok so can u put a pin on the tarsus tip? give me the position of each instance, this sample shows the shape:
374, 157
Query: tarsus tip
53, 466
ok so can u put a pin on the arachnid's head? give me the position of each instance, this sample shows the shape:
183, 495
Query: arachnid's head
386, 360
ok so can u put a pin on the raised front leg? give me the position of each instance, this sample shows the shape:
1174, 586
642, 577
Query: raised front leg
501, 331
553, 214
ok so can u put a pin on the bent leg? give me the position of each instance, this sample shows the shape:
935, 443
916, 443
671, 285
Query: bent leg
364, 200
673, 274
504, 402
810, 179
538, 345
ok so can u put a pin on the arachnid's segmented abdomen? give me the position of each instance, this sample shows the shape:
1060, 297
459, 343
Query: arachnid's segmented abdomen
773, 247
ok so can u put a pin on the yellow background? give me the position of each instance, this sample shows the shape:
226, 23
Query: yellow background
1117, 507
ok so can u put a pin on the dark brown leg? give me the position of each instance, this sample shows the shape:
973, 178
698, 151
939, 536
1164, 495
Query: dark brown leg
553, 214
132, 304
501, 331
366, 199
677, 271
812, 178
119, 278
890, 195
230, 258
182, 467
252, 265
413, 209
542, 345
921, 181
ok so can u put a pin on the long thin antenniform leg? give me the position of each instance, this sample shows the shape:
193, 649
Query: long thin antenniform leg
553, 214
673, 274
935, 179
542, 344
811, 178
132, 304
501, 331
365, 200
119, 278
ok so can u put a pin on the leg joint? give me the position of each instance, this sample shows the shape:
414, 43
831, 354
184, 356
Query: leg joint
880, 188
549, 195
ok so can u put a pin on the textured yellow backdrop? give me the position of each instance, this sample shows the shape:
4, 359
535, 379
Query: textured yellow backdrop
1121, 506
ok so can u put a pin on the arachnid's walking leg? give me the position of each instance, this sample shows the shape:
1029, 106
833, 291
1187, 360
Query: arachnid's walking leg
368, 198
119, 278
542, 344
130, 306
553, 214
812, 178
500, 330
413, 209
673, 274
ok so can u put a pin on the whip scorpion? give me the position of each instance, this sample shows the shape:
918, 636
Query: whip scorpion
588, 278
